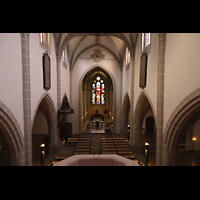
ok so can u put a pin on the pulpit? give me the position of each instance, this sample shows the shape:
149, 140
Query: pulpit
65, 127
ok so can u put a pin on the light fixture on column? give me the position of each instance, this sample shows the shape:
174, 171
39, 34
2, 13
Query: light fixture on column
146, 153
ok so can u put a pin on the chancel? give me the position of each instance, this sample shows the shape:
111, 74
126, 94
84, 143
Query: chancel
101, 94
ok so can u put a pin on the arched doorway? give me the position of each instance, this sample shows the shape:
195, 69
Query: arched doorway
44, 129
40, 134
180, 122
143, 121
97, 99
150, 125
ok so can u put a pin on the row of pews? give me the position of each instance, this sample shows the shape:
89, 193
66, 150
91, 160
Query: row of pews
116, 145
82, 147
108, 145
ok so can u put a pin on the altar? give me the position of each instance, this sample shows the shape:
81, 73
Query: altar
97, 124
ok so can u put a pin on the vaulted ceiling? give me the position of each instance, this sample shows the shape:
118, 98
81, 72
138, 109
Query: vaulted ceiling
78, 43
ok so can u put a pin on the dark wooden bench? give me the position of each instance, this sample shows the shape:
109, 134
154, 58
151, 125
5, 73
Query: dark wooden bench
84, 143
83, 147
72, 139
117, 138
125, 152
122, 145
106, 141
84, 139
81, 152
119, 141
123, 148
105, 138
107, 146
109, 152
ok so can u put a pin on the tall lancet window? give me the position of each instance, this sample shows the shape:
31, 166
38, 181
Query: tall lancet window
146, 40
98, 91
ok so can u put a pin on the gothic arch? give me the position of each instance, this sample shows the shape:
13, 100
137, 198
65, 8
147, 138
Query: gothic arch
183, 115
47, 104
141, 106
11, 131
114, 93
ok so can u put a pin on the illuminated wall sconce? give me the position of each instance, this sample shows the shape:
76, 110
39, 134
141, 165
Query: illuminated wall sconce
146, 153
42, 149
194, 139
128, 130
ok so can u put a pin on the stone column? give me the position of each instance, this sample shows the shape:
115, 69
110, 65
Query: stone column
132, 141
26, 97
160, 98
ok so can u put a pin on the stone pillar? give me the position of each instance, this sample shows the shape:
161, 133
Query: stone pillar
26, 97
132, 100
160, 98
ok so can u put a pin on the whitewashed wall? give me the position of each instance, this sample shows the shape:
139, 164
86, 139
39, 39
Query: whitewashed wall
65, 78
182, 69
11, 75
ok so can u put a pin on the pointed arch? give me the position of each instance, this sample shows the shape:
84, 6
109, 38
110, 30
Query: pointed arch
114, 92
47, 104
12, 133
182, 117
143, 103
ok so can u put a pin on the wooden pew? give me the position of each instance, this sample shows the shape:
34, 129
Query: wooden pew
85, 139
122, 145
127, 152
81, 152
109, 152
123, 149
83, 147
107, 146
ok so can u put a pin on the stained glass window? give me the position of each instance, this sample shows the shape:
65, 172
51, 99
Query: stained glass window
146, 40
45, 41
127, 58
42, 38
98, 91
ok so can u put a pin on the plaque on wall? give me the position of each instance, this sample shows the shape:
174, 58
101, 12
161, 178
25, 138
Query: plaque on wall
46, 71
143, 70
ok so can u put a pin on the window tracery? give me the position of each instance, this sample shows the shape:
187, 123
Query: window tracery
98, 91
